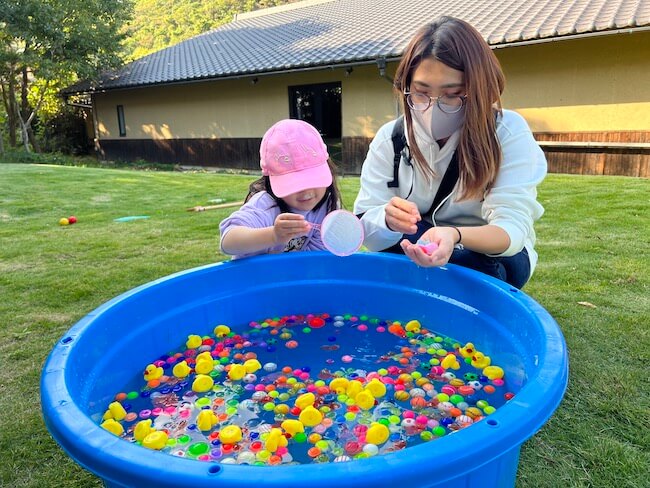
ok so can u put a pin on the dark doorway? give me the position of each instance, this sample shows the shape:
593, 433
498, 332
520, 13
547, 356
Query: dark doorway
320, 105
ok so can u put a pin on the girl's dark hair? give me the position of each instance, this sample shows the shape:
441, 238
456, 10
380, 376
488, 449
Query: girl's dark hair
332, 195
460, 46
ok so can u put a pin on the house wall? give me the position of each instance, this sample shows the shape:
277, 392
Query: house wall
587, 101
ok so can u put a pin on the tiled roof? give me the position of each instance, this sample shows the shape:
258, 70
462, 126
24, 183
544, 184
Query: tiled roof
318, 33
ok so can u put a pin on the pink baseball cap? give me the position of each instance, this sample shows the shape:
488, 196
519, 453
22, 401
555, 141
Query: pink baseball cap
294, 157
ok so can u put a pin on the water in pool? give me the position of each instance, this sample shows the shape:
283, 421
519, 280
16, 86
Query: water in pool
308, 388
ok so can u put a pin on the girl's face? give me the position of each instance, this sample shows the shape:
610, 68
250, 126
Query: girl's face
305, 200
436, 79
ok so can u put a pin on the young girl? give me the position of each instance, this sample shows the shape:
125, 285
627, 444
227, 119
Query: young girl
297, 190
450, 84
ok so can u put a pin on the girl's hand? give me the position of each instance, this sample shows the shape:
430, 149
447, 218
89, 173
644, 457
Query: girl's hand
287, 226
444, 237
402, 216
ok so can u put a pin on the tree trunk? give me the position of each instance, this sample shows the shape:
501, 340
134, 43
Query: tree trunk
9, 98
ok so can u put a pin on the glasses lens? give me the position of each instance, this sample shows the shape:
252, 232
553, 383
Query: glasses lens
418, 101
450, 103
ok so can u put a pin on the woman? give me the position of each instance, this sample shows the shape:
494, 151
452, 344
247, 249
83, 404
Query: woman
450, 84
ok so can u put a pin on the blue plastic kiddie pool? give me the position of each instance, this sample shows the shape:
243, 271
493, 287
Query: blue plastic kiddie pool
113, 343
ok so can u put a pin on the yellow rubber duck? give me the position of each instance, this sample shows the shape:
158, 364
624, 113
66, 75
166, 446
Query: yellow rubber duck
206, 419
230, 434
236, 372
117, 411
467, 351
221, 331
274, 440
450, 362
413, 326
204, 363
181, 370
493, 372
152, 372
480, 360
113, 426
142, 429
193, 341
377, 434
310, 416
156, 440
353, 389
202, 383
305, 400
365, 400
292, 426
339, 385
252, 365
376, 387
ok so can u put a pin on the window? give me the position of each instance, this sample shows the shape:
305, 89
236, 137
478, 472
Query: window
320, 105
120, 120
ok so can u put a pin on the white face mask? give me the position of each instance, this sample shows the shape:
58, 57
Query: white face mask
439, 124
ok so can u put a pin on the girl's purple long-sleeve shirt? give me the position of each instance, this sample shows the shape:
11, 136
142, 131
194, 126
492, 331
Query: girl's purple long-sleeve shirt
261, 210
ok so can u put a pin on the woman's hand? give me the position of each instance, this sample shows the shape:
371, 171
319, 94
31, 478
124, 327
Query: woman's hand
402, 216
445, 237
287, 226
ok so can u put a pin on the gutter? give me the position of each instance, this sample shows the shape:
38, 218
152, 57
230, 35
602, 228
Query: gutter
571, 37
245, 76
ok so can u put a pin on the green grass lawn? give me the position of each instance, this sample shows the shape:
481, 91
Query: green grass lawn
594, 248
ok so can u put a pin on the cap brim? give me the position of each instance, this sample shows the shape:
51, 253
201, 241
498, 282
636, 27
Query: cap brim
317, 177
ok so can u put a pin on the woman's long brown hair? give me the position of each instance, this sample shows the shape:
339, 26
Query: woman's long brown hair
458, 45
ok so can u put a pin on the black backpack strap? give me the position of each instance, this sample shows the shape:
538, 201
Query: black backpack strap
447, 184
400, 148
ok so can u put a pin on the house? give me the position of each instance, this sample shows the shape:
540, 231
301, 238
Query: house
577, 70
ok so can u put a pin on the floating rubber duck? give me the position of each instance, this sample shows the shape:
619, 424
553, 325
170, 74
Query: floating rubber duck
252, 365
181, 370
117, 410
155, 440
152, 372
450, 362
305, 400
113, 426
339, 385
353, 389
193, 341
480, 360
310, 416
467, 351
413, 326
202, 383
493, 372
377, 434
204, 363
376, 387
236, 372
206, 419
292, 426
230, 434
221, 331
274, 440
365, 400
142, 429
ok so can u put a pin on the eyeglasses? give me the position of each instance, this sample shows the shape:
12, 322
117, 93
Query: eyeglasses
449, 104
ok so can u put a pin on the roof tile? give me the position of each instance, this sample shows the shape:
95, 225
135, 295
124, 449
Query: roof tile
325, 33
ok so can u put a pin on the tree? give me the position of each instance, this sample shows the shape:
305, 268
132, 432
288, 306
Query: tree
158, 24
45, 44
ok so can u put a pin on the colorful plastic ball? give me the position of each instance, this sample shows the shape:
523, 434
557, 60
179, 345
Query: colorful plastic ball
64, 221
72, 219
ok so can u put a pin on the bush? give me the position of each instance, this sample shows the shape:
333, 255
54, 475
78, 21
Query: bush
67, 134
